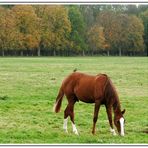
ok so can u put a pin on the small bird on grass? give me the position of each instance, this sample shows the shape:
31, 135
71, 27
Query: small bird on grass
75, 70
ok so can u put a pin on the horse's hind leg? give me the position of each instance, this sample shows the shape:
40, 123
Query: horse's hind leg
72, 118
69, 111
109, 114
65, 124
66, 118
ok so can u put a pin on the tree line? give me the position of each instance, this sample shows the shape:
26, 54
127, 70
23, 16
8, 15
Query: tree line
67, 30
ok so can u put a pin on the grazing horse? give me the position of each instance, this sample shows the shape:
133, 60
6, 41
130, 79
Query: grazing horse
90, 89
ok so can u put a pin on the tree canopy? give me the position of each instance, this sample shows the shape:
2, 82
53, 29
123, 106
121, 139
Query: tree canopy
27, 30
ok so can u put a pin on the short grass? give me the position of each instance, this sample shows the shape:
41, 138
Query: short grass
29, 86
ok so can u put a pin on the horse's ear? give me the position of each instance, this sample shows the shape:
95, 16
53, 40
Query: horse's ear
123, 112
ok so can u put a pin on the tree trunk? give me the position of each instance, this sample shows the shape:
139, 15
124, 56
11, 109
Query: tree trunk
3, 53
92, 53
54, 53
107, 52
83, 53
120, 53
15, 53
39, 52
21, 53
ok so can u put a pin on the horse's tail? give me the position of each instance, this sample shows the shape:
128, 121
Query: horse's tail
58, 102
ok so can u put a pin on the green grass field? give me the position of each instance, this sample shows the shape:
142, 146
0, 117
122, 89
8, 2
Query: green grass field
29, 86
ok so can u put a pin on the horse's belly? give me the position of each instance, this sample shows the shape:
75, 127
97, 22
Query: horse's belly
84, 90
84, 96
86, 100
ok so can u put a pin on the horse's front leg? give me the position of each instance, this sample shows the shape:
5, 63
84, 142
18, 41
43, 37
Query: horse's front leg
109, 114
96, 111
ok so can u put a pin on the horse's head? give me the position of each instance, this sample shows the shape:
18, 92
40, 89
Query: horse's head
119, 122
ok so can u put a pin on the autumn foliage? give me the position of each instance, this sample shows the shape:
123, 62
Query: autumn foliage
34, 30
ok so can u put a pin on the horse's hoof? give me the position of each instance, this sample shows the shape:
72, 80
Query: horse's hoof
114, 134
66, 131
93, 132
76, 132
122, 135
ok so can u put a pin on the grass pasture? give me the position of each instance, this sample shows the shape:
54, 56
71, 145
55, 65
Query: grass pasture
28, 88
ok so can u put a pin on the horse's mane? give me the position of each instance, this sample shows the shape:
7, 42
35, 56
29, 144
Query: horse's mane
111, 93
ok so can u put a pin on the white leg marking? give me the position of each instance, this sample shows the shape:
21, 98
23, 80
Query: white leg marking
74, 129
54, 107
122, 126
65, 125
113, 131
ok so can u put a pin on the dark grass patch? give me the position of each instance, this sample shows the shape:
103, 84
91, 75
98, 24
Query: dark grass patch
4, 98
52, 78
145, 131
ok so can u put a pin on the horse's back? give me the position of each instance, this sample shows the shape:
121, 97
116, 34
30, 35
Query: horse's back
83, 86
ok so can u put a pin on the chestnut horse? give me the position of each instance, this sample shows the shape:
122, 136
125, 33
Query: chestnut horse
90, 89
